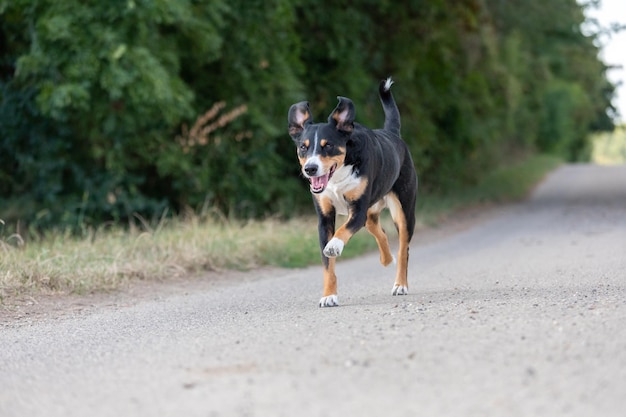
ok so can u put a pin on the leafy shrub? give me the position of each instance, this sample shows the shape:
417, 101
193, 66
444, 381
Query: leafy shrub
99, 100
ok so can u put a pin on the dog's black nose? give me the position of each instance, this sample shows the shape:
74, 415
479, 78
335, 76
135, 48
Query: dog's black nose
310, 170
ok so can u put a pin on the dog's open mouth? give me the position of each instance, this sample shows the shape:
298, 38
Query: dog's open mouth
318, 184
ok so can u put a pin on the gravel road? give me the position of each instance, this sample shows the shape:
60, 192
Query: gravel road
521, 314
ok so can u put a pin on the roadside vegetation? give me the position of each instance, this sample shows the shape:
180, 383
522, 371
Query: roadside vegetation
106, 258
159, 106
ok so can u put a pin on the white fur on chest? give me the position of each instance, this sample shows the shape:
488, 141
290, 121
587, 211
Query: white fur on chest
343, 180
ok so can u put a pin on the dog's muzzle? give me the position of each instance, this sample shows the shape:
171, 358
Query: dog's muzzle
318, 181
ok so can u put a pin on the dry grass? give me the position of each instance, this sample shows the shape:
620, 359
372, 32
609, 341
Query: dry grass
106, 258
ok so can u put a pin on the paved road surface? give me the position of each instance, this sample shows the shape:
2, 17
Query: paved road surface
523, 314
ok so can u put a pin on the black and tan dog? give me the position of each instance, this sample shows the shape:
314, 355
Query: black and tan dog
357, 172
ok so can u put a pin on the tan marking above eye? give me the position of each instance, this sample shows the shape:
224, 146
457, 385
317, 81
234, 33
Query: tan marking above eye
306, 143
323, 142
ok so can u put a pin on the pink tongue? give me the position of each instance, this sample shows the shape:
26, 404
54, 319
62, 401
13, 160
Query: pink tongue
317, 183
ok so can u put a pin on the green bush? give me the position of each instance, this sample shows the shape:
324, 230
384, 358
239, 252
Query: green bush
108, 110
565, 121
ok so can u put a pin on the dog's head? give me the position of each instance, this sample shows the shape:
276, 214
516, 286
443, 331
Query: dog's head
321, 146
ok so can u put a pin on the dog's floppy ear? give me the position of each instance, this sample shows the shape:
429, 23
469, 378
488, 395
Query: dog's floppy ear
299, 116
343, 115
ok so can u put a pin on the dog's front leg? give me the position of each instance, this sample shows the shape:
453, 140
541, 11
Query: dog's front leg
357, 217
326, 229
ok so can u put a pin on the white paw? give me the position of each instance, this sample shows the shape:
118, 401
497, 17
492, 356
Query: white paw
399, 290
333, 248
330, 301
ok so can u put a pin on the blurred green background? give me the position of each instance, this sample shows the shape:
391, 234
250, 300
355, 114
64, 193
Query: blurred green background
144, 107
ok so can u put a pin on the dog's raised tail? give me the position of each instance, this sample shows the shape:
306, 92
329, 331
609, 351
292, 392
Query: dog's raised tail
392, 115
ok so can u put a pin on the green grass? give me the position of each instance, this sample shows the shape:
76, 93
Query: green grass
610, 148
106, 258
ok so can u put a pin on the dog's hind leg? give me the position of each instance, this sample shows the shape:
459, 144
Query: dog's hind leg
401, 285
373, 226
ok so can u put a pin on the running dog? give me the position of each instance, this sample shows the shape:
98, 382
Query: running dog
356, 171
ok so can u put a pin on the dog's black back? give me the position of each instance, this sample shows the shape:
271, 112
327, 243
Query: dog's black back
385, 157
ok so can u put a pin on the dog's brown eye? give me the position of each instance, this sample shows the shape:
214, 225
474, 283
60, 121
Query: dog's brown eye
328, 146
303, 147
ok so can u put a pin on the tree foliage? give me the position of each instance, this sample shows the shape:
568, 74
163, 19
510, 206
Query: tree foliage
111, 109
